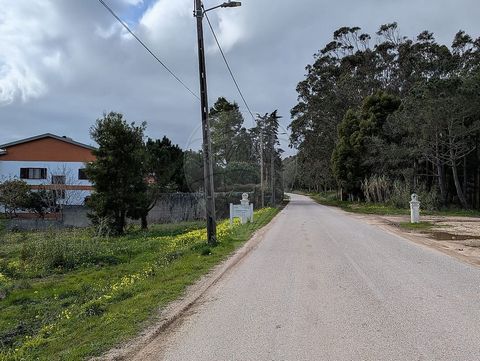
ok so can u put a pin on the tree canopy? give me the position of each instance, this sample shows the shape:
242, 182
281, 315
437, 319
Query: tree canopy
402, 108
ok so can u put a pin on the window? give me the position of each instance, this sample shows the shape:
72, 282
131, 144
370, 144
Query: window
59, 192
58, 179
82, 175
33, 173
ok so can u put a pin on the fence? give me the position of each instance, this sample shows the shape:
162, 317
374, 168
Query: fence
170, 208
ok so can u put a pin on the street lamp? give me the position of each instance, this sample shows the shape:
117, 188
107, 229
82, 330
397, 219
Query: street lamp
199, 13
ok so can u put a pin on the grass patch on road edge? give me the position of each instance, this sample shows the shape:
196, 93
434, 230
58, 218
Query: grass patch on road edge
422, 226
74, 314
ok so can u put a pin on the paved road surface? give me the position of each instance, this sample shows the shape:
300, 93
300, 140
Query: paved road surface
323, 285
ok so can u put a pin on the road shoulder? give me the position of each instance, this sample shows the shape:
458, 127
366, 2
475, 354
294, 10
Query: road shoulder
458, 237
173, 314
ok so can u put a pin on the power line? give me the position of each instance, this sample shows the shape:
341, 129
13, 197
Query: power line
147, 48
228, 66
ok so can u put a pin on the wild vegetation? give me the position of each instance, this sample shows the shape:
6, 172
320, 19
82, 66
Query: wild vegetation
130, 173
69, 295
243, 157
397, 114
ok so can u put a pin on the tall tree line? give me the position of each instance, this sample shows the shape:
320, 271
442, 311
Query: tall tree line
131, 171
404, 109
242, 156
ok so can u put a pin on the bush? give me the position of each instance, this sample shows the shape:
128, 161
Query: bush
14, 196
401, 196
379, 189
376, 189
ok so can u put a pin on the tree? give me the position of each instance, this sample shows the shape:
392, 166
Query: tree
432, 140
357, 152
226, 122
448, 121
118, 172
14, 196
36, 202
266, 134
163, 172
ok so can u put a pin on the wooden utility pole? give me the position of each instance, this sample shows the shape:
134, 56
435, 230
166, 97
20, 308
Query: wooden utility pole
207, 146
262, 189
272, 168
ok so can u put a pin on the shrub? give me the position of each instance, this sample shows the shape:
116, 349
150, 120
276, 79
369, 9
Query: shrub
376, 189
401, 196
14, 196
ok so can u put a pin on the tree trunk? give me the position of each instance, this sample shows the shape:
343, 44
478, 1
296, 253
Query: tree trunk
415, 174
477, 188
476, 192
441, 182
120, 223
458, 187
144, 221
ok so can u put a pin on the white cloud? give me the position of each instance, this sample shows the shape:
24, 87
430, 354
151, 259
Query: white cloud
25, 27
133, 2
165, 18
64, 62
18, 80
231, 29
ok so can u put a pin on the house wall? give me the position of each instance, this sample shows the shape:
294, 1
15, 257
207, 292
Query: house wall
48, 149
76, 190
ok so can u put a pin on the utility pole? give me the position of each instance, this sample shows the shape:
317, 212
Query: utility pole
260, 125
207, 146
262, 190
199, 13
272, 168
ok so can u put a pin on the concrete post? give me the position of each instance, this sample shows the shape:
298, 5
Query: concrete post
414, 209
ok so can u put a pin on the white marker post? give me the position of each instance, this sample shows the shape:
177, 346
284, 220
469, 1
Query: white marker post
414, 209
244, 210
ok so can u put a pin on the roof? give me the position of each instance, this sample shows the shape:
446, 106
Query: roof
42, 136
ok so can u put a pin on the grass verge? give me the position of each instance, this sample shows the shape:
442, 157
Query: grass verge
69, 296
385, 209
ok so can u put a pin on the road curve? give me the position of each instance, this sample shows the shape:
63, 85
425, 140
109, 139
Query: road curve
323, 285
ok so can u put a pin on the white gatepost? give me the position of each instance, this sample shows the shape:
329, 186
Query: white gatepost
414, 209
244, 210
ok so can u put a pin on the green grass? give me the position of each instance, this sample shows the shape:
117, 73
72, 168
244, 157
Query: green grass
385, 209
85, 302
422, 226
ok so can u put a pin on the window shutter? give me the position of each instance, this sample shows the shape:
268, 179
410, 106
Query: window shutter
23, 173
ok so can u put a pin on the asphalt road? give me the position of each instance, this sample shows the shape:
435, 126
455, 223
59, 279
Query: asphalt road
323, 285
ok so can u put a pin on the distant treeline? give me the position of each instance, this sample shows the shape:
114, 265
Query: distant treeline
391, 116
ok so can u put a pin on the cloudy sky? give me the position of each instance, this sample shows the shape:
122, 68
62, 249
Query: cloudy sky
63, 63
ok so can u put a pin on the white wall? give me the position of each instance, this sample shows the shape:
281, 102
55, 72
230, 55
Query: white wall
11, 170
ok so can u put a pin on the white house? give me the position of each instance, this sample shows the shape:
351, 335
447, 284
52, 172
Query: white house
49, 162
